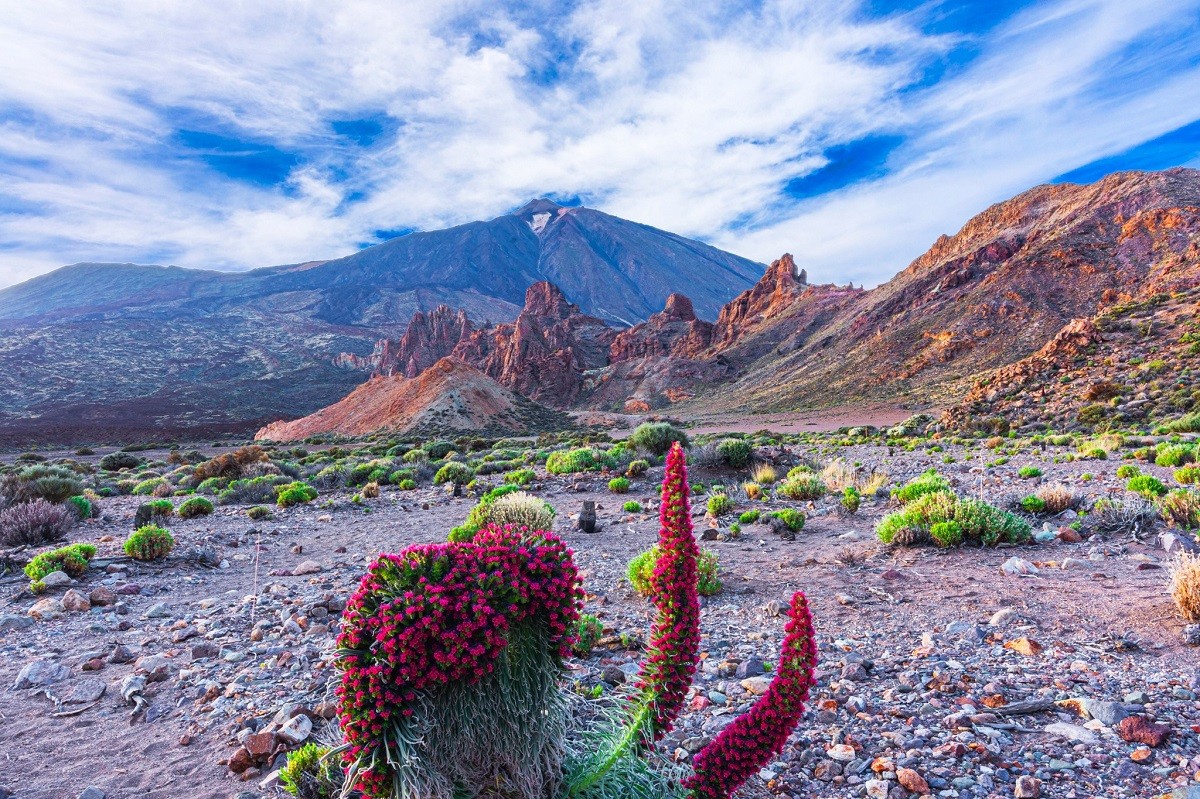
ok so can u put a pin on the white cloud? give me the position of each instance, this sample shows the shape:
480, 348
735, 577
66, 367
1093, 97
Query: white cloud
686, 116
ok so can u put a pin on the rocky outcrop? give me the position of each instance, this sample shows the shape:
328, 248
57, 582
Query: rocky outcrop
674, 331
448, 396
771, 296
429, 338
544, 353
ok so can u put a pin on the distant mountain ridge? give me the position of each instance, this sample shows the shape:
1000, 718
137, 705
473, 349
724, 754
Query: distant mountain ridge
971, 319
196, 350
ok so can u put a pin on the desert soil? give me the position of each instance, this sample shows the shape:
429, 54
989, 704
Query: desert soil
917, 648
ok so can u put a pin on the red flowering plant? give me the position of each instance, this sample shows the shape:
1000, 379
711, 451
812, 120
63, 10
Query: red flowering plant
452, 655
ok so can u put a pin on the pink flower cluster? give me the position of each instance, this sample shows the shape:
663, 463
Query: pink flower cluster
674, 647
755, 737
435, 614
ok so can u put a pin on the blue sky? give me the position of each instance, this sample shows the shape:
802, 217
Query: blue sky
852, 134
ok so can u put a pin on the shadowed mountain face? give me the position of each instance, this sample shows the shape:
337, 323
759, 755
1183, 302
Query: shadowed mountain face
181, 349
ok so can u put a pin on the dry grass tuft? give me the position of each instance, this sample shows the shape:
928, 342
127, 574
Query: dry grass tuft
764, 474
1057, 497
1185, 585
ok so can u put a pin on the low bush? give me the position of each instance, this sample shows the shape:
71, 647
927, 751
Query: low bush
260, 512
520, 477
35, 523
149, 543
1186, 424
588, 632
454, 473
1127, 470
764, 474
407, 484
1187, 475
573, 461
72, 559
297, 493
1057, 497
119, 461
1181, 509
974, 521
657, 437
196, 506
1029, 472
1174, 455
851, 499
632, 507
619, 485
1146, 485
1185, 585
82, 505
792, 519
522, 510
1033, 504
749, 517
1116, 516
719, 505
929, 482
312, 772
802, 487
735, 452
637, 468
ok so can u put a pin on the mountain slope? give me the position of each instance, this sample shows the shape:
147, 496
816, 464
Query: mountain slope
203, 351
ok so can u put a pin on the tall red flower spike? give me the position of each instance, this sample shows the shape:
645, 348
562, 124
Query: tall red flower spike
674, 649
746, 745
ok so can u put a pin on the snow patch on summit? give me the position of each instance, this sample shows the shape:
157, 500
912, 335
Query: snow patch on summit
538, 223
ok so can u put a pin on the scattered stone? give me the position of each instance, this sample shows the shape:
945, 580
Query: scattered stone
1141, 754
1016, 567
158, 610
308, 567
912, 781
1072, 732
122, 654
11, 621
843, 753
47, 609
76, 602
1107, 713
57, 579
297, 729
1027, 787
1191, 634
41, 672
1139, 729
1024, 646
1002, 617
102, 596
85, 691
92, 793
241, 761
750, 667
1074, 564
757, 685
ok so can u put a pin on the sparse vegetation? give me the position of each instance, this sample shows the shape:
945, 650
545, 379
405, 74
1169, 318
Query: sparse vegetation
149, 543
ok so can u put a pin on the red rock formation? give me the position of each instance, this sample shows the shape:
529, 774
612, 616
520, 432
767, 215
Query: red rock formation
544, 353
770, 296
673, 331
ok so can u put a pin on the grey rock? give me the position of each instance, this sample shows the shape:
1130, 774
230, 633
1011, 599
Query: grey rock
11, 621
1191, 634
86, 690
1071, 732
41, 672
750, 667
57, 579
158, 610
297, 729
92, 793
1107, 713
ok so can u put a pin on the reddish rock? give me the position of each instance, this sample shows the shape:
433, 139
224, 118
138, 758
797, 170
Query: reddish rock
1139, 729
241, 761
1069, 535
429, 338
675, 331
102, 596
912, 781
261, 745
75, 601
1024, 646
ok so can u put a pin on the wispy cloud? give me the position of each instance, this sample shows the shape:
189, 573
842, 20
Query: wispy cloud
233, 135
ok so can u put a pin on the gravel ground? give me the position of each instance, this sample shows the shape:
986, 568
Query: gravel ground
939, 674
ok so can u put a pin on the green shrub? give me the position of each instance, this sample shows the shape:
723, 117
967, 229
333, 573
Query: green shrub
802, 487
1127, 470
573, 461
657, 437
1181, 509
637, 468
632, 506
82, 505
407, 484
438, 449
851, 499
946, 534
51, 483
588, 632
146, 487
520, 509
72, 559
719, 505
929, 482
977, 521
749, 517
520, 477
1186, 424
160, 507
1029, 472
796, 472
196, 506
260, 512
618, 485
735, 452
117, 461
416, 456
312, 773
150, 542
297, 493
1174, 455
1188, 475
792, 519
1146, 485
1034, 504
640, 572
455, 473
